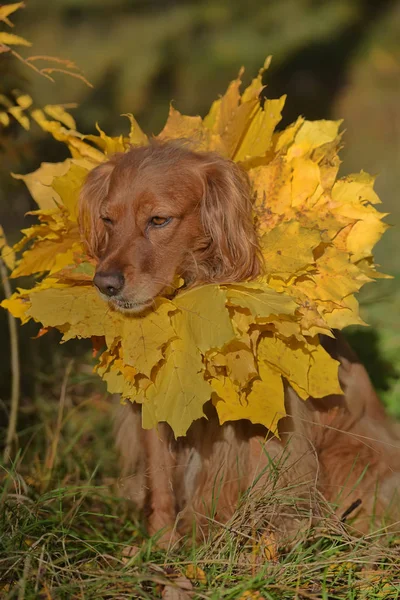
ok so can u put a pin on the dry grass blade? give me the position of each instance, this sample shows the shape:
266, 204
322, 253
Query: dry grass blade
61, 405
11, 435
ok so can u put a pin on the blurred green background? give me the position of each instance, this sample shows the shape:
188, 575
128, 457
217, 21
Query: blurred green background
334, 59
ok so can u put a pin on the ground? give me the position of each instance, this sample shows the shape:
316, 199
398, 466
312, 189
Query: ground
64, 531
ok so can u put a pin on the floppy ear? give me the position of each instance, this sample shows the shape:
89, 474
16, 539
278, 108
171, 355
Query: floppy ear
93, 192
226, 212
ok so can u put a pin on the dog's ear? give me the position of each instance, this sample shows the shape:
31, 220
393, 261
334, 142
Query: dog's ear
93, 192
226, 213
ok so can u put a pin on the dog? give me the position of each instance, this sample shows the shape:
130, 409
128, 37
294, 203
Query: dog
163, 210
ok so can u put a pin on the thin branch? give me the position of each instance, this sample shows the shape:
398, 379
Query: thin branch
15, 369
47, 70
31, 66
68, 64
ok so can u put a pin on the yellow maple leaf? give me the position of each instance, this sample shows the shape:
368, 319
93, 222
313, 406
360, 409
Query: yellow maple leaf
142, 338
179, 126
40, 182
78, 310
239, 361
257, 139
232, 343
75, 141
260, 300
68, 186
264, 404
108, 145
355, 197
244, 127
301, 364
178, 394
306, 182
48, 254
314, 134
289, 249
209, 330
136, 135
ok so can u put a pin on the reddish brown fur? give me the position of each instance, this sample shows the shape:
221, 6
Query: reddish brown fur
325, 444
211, 237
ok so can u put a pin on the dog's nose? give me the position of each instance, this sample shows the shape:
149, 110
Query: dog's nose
109, 283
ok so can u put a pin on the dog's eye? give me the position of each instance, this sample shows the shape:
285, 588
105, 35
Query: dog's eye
106, 220
160, 221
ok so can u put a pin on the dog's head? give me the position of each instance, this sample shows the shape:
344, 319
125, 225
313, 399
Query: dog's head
164, 210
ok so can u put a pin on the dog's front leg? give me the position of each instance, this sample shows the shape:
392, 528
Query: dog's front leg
160, 469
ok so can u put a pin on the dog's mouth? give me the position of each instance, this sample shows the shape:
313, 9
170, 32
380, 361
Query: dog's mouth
129, 306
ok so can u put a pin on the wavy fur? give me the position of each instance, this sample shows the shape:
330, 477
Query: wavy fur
344, 446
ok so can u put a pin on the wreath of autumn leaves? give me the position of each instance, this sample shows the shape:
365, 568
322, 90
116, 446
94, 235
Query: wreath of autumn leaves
232, 343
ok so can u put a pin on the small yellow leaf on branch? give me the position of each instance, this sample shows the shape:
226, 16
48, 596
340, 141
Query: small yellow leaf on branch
9, 39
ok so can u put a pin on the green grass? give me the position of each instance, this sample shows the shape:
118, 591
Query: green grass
63, 528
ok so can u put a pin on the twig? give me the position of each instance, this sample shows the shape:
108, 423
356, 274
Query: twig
15, 368
47, 70
351, 508
30, 65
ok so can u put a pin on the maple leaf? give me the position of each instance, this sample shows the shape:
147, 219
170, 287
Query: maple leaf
288, 249
260, 300
142, 339
178, 394
39, 183
235, 344
301, 365
77, 311
207, 330
238, 360
264, 403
